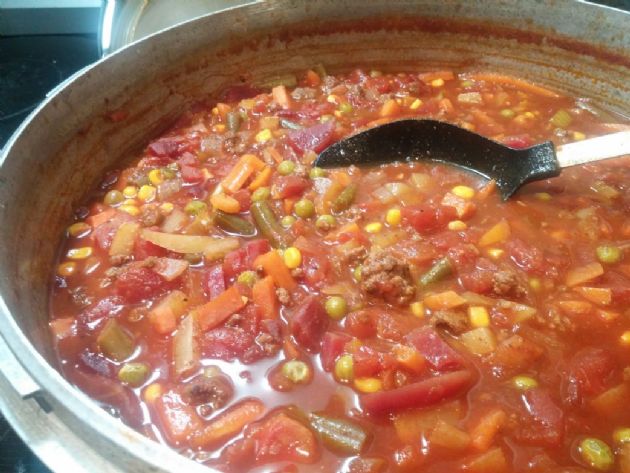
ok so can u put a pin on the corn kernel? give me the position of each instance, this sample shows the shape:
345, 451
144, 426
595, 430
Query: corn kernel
495, 253
152, 392
263, 136
578, 136
79, 253
130, 202
79, 229
130, 192
417, 309
344, 368
478, 316
544, 196
337, 113
374, 227
166, 208
219, 128
529, 115
67, 269
215, 111
457, 225
625, 338
156, 177
415, 105
206, 174
437, 82
535, 284
464, 192
523, 383
368, 385
393, 217
356, 273
147, 193
292, 257
130, 209
332, 98
621, 435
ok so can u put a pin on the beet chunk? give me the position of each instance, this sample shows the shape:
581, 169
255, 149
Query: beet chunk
309, 323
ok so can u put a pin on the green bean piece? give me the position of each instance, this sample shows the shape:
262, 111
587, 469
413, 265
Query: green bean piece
267, 223
340, 435
113, 197
114, 342
133, 374
234, 224
284, 123
437, 272
233, 120
346, 198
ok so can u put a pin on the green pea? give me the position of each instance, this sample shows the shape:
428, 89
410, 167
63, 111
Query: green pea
467, 83
195, 207
622, 435
356, 273
133, 374
247, 277
316, 172
336, 307
260, 194
596, 454
508, 113
345, 107
325, 222
296, 371
168, 173
608, 254
523, 383
287, 221
113, 197
304, 208
286, 167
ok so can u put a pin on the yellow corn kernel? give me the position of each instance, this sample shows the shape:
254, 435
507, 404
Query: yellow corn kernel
166, 208
79, 229
338, 113
130, 192
417, 309
263, 136
464, 192
152, 392
374, 227
368, 385
67, 269
457, 225
544, 196
415, 105
79, 253
344, 368
625, 338
478, 316
130, 202
535, 284
292, 257
332, 98
495, 253
393, 217
130, 209
206, 174
523, 383
215, 111
147, 193
529, 115
437, 82
156, 177
578, 136
219, 128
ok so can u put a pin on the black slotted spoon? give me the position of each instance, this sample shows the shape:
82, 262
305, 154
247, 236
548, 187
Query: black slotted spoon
413, 140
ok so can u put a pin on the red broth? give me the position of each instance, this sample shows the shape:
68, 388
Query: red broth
254, 313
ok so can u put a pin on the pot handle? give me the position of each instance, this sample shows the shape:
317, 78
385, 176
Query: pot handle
15, 374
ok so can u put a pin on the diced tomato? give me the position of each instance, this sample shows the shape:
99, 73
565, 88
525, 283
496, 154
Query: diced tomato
423, 393
361, 324
518, 141
191, 175
547, 425
143, 249
242, 259
227, 343
308, 323
281, 438
93, 317
169, 146
481, 278
333, 344
137, 283
104, 233
366, 362
214, 281
428, 218
588, 374
244, 199
289, 186
528, 257
463, 254
437, 352
314, 138
236, 93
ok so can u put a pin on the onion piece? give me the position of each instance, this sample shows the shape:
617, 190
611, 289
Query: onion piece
185, 352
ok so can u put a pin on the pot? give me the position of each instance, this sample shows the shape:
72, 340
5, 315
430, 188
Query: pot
79, 132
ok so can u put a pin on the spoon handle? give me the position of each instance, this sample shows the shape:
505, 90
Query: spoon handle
594, 149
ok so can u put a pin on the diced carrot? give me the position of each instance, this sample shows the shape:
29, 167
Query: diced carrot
485, 429
612, 401
389, 109
334, 189
492, 461
242, 170
281, 96
431, 76
351, 227
312, 78
264, 296
274, 154
410, 358
598, 295
164, 315
497, 234
291, 352
446, 105
225, 203
274, 266
178, 419
341, 177
262, 179
487, 190
444, 300
223, 109
62, 328
100, 218
584, 274
217, 310
607, 315
288, 204
513, 82
575, 308
228, 423
448, 436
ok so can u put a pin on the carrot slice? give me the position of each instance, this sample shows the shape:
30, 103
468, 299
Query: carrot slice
262, 179
431, 76
100, 218
274, 266
164, 315
264, 296
483, 432
584, 273
228, 424
242, 170
513, 82
598, 295
225, 203
217, 310
444, 300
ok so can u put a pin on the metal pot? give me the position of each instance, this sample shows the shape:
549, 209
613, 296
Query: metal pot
70, 140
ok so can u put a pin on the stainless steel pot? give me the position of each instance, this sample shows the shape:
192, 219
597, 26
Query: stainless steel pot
69, 141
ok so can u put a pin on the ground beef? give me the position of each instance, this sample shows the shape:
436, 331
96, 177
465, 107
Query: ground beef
215, 391
150, 215
352, 255
388, 277
138, 177
449, 320
283, 296
506, 283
